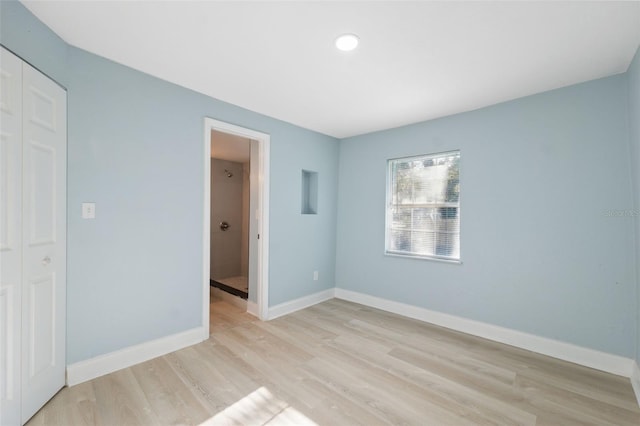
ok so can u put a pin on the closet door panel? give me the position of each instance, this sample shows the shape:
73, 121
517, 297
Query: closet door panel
41, 215
10, 235
44, 242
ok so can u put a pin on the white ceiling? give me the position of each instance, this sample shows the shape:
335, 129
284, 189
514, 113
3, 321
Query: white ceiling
226, 146
416, 60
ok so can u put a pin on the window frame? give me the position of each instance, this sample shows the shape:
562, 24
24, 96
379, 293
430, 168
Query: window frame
389, 210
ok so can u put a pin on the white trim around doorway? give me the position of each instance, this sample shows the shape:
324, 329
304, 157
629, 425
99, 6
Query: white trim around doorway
263, 140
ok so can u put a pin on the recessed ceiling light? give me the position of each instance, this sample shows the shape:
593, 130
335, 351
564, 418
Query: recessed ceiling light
347, 42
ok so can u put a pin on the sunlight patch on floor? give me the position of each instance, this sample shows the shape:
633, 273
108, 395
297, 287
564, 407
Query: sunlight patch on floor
260, 407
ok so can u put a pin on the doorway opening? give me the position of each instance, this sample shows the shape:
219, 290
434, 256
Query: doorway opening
231, 202
236, 231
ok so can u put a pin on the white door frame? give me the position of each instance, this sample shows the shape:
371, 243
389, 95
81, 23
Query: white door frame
263, 140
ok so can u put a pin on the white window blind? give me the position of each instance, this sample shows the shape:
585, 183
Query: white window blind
423, 206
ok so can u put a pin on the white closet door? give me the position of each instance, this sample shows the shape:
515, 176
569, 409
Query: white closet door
10, 235
44, 154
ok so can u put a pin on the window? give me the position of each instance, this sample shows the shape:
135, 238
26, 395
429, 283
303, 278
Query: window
423, 206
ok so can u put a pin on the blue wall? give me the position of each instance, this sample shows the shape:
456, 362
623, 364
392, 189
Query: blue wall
633, 75
539, 253
27, 37
135, 148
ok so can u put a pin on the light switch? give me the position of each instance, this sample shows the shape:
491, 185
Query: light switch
88, 210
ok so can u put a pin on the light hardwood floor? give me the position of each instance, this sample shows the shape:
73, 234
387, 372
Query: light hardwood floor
339, 363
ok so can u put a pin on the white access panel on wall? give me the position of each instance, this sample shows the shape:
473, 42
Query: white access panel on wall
34, 184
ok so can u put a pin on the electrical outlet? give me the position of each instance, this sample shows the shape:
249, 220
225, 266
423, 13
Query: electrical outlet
88, 210
315, 275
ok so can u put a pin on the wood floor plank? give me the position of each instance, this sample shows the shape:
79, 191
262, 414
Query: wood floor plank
122, 401
71, 406
442, 391
601, 412
340, 363
370, 390
168, 396
211, 388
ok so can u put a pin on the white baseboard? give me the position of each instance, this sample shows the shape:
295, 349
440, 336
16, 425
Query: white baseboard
635, 380
83, 371
301, 303
565, 351
252, 308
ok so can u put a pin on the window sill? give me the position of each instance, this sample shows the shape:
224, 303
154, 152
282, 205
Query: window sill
432, 259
